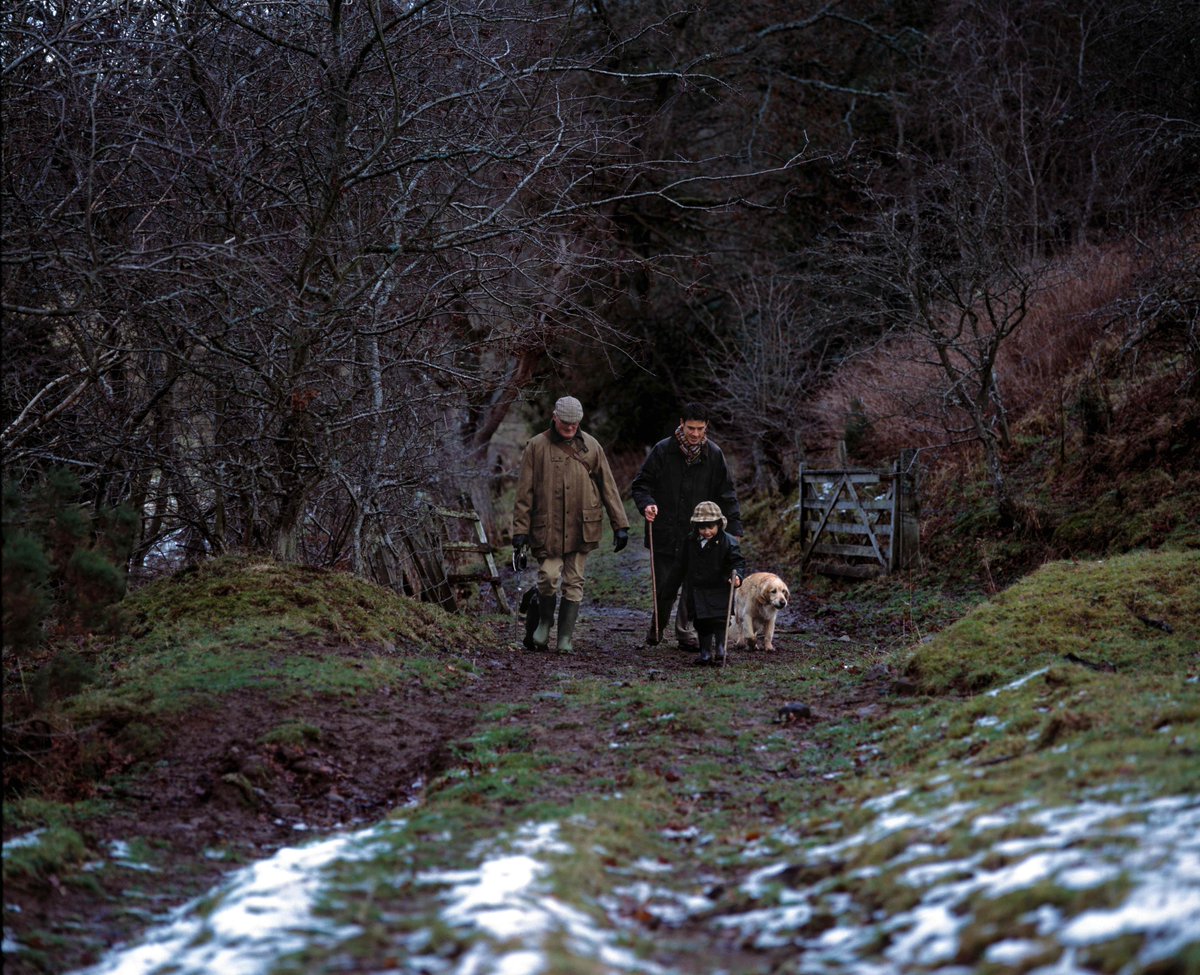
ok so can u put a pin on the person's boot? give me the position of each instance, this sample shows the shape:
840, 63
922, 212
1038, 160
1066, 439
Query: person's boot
719, 652
531, 622
654, 636
568, 613
706, 648
541, 635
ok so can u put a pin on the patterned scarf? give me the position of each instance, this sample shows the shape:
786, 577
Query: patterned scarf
691, 453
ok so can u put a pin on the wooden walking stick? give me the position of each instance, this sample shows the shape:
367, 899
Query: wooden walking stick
653, 582
728, 613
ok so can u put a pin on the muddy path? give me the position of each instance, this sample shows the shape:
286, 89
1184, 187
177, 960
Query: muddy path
221, 797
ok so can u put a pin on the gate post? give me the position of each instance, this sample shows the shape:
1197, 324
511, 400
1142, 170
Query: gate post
895, 560
909, 526
803, 516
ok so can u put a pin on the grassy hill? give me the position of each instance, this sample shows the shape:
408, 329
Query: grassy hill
687, 813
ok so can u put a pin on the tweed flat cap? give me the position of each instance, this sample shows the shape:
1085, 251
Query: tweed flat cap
569, 409
707, 512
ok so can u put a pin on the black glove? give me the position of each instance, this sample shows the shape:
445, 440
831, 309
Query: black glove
620, 539
519, 559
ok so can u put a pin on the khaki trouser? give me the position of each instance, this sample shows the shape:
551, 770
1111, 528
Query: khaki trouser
563, 575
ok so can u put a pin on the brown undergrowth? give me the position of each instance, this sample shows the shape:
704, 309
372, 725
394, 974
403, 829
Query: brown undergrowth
1101, 385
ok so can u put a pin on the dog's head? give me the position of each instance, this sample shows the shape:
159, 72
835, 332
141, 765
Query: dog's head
776, 594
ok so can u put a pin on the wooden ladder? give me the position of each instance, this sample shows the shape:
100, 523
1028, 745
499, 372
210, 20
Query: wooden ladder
488, 573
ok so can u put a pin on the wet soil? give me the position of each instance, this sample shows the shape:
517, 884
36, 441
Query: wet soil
220, 798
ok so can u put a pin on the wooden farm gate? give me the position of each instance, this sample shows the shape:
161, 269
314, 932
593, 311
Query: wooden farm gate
857, 522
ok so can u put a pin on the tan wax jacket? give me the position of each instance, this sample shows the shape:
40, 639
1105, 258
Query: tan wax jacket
563, 490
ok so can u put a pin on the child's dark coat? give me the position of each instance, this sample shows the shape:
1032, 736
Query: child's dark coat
706, 573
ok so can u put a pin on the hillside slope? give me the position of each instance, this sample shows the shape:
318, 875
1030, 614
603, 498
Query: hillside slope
270, 703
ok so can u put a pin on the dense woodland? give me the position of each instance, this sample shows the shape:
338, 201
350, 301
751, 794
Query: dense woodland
275, 274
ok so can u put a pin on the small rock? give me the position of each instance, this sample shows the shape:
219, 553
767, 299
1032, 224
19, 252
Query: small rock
794, 711
237, 788
255, 769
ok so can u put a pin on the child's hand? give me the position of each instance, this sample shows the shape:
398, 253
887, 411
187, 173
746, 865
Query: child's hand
735, 580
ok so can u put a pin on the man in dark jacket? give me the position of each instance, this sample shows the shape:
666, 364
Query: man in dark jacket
679, 472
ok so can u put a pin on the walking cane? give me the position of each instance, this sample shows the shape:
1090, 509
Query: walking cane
728, 613
653, 583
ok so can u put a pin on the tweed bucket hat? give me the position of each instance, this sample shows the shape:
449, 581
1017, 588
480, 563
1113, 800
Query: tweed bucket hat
568, 409
707, 512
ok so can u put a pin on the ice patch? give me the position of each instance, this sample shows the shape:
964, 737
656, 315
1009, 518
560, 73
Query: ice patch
1154, 846
32, 838
646, 865
996, 691
1011, 952
265, 913
886, 802
261, 914
506, 900
669, 907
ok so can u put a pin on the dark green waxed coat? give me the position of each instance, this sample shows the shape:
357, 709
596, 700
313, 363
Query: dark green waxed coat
562, 497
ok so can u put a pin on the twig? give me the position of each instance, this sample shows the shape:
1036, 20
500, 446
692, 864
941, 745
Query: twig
1156, 624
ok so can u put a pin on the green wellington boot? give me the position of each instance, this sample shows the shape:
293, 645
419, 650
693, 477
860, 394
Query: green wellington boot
568, 613
541, 636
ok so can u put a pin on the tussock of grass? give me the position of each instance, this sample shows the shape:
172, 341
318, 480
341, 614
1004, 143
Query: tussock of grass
53, 851
241, 626
1089, 609
237, 599
1057, 684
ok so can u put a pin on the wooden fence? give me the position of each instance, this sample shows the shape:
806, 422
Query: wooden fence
857, 522
442, 550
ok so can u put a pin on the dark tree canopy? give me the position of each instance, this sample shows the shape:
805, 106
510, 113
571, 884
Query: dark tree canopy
273, 274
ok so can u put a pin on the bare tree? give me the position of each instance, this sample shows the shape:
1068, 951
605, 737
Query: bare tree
947, 264
765, 363
276, 271
1091, 107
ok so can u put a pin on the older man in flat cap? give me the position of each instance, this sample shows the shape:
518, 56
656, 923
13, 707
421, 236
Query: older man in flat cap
563, 490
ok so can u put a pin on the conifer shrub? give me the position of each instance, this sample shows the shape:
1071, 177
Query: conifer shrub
65, 564
26, 591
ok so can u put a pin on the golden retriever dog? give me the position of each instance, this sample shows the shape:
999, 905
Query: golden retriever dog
755, 604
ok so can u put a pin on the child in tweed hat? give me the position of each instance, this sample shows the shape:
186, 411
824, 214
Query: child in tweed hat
710, 561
